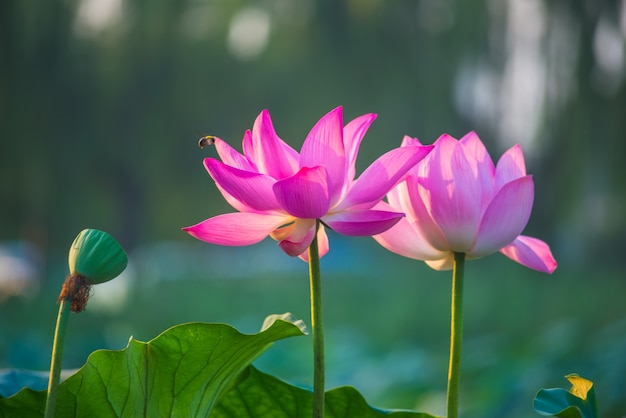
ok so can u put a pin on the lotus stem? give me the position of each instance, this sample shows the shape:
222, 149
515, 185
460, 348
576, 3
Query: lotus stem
317, 328
456, 336
57, 357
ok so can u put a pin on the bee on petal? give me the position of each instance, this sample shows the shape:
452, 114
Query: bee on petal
206, 140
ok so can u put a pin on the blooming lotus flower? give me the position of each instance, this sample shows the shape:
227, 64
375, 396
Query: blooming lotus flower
281, 193
456, 200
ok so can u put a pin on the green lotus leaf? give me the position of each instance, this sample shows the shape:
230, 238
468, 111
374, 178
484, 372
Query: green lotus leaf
97, 256
260, 395
183, 372
578, 402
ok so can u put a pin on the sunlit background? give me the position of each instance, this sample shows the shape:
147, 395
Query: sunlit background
101, 106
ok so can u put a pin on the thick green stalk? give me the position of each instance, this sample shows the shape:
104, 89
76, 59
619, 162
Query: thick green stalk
57, 357
456, 336
317, 328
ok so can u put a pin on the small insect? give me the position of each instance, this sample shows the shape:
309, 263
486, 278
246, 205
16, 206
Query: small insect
206, 140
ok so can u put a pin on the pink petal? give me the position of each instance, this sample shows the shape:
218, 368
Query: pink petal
408, 141
324, 147
270, 153
231, 157
418, 212
474, 146
382, 175
362, 222
511, 166
506, 216
405, 239
299, 237
482, 166
322, 244
454, 196
240, 206
305, 194
399, 201
248, 147
532, 253
251, 189
236, 229
353, 134
445, 263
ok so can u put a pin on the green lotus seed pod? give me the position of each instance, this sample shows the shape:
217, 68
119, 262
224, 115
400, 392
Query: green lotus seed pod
97, 256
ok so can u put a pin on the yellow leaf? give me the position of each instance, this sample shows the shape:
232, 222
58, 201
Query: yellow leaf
580, 386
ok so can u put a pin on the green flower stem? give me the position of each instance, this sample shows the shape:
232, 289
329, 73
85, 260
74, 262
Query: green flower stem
57, 357
456, 336
317, 328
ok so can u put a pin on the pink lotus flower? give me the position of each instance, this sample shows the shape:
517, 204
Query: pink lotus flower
456, 200
281, 193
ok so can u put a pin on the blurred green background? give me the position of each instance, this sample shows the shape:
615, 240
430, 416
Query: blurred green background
101, 106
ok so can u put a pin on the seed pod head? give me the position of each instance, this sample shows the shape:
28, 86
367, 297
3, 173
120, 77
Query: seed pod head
97, 256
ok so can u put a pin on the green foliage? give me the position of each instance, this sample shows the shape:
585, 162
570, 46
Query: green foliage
184, 372
186, 368
578, 402
261, 395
